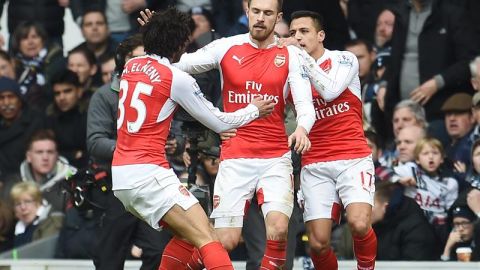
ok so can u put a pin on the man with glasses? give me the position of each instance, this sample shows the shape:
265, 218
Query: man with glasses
465, 233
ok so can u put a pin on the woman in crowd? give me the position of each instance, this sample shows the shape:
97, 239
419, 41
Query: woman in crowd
35, 220
36, 62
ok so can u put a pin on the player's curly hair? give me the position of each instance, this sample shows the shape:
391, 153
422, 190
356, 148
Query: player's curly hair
167, 32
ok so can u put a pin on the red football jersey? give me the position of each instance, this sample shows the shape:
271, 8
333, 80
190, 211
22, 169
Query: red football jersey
248, 72
150, 89
338, 130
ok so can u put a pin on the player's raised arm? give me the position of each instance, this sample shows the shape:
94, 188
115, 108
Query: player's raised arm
331, 85
188, 95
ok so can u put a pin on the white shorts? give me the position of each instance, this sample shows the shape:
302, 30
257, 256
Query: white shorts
328, 185
152, 200
239, 179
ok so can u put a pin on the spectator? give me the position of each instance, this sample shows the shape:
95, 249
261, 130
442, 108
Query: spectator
186, 5
384, 29
82, 61
475, 71
403, 232
406, 142
7, 226
241, 25
373, 142
17, 123
107, 66
46, 168
282, 29
406, 113
35, 220
96, 33
204, 32
7, 68
67, 117
433, 190
37, 62
121, 14
48, 13
465, 233
365, 55
460, 125
431, 45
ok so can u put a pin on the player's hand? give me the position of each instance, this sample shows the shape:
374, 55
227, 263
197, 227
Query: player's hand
265, 106
424, 92
228, 134
145, 15
408, 181
283, 42
381, 98
473, 200
300, 138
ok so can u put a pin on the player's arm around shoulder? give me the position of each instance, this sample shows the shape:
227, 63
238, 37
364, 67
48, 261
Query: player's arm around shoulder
186, 92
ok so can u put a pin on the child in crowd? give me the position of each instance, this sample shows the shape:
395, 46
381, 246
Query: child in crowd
424, 182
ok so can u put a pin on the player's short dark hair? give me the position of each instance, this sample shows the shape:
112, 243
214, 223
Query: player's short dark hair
315, 16
279, 5
68, 77
166, 32
359, 41
125, 49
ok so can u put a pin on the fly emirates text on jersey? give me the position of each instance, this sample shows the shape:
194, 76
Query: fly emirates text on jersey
253, 90
325, 109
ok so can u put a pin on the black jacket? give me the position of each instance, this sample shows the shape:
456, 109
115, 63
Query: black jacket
405, 233
70, 131
445, 45
46, 12
13, 139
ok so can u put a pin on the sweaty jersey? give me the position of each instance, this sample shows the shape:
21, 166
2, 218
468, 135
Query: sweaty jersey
338, 130
150, 90
247, 72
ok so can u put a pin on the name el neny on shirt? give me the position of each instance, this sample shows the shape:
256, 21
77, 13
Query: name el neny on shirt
148, 69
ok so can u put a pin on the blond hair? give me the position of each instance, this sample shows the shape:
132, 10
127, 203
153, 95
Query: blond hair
28, 187
433, 142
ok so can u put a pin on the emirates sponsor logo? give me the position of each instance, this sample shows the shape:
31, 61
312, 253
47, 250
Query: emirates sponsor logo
183, 190
280, 60
216, 201
324, 110
252, 90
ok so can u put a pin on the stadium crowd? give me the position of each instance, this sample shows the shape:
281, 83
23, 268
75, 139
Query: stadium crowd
419, 70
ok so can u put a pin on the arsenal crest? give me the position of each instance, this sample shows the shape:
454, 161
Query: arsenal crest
279, 60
